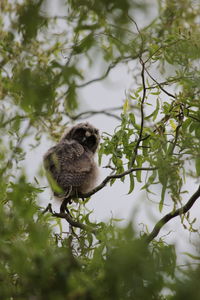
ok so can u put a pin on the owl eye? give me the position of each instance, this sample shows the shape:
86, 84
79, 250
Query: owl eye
91, 142
79, 134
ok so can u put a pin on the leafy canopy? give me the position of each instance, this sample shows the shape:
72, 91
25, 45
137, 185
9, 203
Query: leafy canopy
156, 143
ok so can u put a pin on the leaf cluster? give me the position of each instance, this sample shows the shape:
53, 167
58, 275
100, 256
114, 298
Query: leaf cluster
156, 143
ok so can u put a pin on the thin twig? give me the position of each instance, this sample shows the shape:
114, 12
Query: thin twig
106, 111
160, 86
13, 119
110, 67
68, 218
48, 208
173, 214
135, 151
167, 82
72, 222
87, 114
142, 114
162, 47
72, 51
194, 118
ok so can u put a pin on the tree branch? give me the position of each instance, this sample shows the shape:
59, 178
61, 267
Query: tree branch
106, 111
173, 214
17, 117
142, 114
72, 222
69, 219
160, 85
87, 114
110, 67
109, 177
77, 224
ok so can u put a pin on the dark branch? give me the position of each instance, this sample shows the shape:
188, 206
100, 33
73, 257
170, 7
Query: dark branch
173, 214
18, 117
106, 111
110, 67
135, 151
72, 222
160, 85
77, 224
68, 218
194, 118
90, 113
108, 178
167, 82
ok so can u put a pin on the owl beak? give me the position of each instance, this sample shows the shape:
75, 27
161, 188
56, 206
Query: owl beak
88, 134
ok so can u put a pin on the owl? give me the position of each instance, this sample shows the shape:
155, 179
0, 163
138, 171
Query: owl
70, 165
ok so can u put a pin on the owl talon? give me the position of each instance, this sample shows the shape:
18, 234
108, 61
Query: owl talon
63, 207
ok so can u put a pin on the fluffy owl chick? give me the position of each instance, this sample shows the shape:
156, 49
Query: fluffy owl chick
70, 165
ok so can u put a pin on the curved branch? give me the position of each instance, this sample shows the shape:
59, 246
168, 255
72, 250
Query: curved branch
77, 224
89, 113
135, 151
173, 214
17, 117
160, 85
106, 111
110, 67
109, 177
68, 218
72, 222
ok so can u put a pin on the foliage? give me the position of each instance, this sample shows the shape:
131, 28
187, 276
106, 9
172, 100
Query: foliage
156, 143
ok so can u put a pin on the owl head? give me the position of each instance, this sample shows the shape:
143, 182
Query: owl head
86, 134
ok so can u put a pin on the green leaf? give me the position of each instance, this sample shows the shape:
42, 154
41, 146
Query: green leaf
139, 160
161, 203
55, 187
132, 118
154, 114
132, 184
197, 165
150, 180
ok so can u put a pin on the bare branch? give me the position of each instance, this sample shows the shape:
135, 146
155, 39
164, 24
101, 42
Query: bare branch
108, 178
194, 118
110, 67
106, 111
173, 214
87, 114
77, 224
167, 82
160, 85
72, 222
18, 117
68, 218
135, 151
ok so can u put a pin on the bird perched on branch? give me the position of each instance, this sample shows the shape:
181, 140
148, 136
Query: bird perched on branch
70, 165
